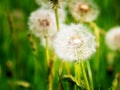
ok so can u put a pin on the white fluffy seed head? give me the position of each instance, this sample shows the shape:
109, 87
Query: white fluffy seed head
113, 38
86, 11
42, 22
74, 42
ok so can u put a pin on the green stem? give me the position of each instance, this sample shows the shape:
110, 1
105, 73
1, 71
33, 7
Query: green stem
0, 72
47, 52
90, 75
85, 76
67, 67
77, 73
48, 64
36, 72
97, 32
56, 16
36, 62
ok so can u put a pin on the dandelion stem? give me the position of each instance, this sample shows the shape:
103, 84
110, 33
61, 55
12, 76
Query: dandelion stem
50, 83
97, 31
94, 25
90, 75
11, 27
49, 65
0, 72
67, 67
85, 76
47, 51
60, 86
56, 16
51, 73
77, 73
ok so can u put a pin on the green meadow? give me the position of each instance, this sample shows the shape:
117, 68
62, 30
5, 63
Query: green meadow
23, 64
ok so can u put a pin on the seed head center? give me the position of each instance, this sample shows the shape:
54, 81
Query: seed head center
84, 8
76, 41
44, 22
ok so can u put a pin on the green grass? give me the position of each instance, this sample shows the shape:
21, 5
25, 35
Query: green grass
18, 62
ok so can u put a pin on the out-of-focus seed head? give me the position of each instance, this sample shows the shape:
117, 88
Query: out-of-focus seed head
42, 23
85, 11
113, 38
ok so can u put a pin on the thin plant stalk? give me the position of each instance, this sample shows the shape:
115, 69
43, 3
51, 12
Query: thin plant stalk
49, 65
84, 75
60, 86
90, 75
51, 72
97, 31
50, 83
11, 26
47, 51
57, 17
0, 72
94, 25
67, 67
77, 73
36, 63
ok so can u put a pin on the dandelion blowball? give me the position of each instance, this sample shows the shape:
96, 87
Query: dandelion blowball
86, 11
42, 22
74, 42
113, 38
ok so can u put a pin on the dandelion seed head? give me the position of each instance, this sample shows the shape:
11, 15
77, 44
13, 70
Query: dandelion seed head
42, 22
113, 38
84, 10
74, 43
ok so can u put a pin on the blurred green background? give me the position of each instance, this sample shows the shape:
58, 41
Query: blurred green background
17, 61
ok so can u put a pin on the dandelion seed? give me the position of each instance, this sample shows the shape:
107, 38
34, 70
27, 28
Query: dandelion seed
74, 42
84, 10
42, 23
113, 38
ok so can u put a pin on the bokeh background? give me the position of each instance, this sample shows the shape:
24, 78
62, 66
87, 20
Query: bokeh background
17, 59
